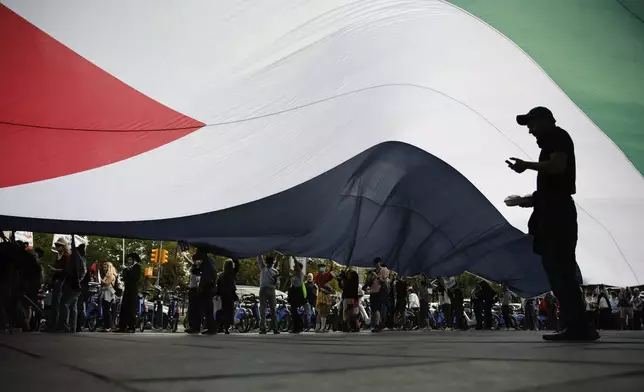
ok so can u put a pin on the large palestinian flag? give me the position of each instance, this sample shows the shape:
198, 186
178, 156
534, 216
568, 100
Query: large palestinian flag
336, 128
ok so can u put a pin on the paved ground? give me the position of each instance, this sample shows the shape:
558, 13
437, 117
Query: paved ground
405, 361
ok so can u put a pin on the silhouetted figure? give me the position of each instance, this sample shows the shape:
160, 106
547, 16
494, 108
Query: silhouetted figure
457, 307
130, 300
227, 291
207, 286
487, 298
554, 220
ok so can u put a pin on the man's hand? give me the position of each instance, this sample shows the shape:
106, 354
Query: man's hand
516, 164
527, 203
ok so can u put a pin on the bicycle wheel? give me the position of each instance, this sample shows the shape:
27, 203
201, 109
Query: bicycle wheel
243, 325
92, 320
285, 323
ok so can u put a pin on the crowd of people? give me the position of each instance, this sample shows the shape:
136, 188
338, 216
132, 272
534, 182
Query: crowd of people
212, 297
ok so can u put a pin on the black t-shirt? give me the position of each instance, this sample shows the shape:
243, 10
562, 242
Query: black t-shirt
351, 283
557, 140
311, 293
62, 265
401, 290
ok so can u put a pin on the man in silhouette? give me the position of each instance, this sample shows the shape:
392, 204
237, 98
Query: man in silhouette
553, 223
130, 299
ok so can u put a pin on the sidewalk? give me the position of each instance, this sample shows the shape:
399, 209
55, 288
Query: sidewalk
400, 361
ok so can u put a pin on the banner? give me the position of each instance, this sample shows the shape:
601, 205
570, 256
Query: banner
68, 237
25, 236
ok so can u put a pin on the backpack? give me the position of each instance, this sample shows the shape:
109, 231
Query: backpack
118, 286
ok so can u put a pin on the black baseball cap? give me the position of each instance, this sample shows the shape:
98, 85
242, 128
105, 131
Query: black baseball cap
538, 112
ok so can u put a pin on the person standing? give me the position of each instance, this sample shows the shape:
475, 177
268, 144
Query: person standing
457, 306
108, 294
296, 295
625, 304
130, 300
194, 307
207, 290
591, 307
505, 307
603, 303
423, 293
324, 299
531, 321
638, 305
227, 291
349, 283
311, 298
553, 223
74, 272
268, 280
379, 294
487, 295
477, 306
400, 287
57, 280
444, 303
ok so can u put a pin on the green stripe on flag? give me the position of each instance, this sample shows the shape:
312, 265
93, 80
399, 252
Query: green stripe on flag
594, 51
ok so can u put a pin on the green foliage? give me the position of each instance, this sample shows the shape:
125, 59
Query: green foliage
43, 241
175, 272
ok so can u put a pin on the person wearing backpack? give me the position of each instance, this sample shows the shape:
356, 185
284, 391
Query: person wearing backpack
74, 272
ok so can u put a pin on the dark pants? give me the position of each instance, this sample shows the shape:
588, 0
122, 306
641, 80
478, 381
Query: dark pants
296, 299
591, 316
384, 308
226, 315
207, 308
561, 269
447, 314
605, 318
107, 314
5, 298
194, 309
478, 313
12, 311
82, 312
129, 310
554, 225
505, 312
457, 310
56, 294
530, 319
487, 313
637, 320
68, 309
423, 314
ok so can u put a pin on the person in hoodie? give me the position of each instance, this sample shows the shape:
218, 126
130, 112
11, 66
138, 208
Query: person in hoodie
227, 291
